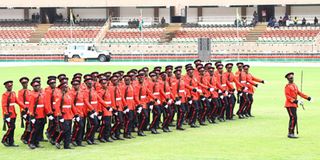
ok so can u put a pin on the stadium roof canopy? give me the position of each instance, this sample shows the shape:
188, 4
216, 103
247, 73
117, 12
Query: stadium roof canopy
148, 3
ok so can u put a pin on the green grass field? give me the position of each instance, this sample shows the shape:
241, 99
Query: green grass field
262, 137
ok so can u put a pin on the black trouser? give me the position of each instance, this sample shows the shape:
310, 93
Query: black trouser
248, 108
292, 111
51, 130
214, 108
143, 120
173, 113
93, 126
78, 128
230, 107
128, 122
42, 129
26, 133
243, 103
167, 114
105, 128
224, 103
156, 113
36, 131
204, 109
118, 124
9, 136
194, 109
65, 133
181, 112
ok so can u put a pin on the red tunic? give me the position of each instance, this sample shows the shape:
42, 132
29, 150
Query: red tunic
65, 109
41, 109
105, 95
291, 92
13, 100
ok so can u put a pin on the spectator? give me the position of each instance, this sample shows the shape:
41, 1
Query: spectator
315, 21
295, 20
33, 17
77, 20
288, 21
255, 17
163, 21
286, 17
270, 22
304, 21
244, 21
38, 17
276, 25
280, 21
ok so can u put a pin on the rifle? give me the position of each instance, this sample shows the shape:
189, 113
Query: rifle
301, 82
61, 107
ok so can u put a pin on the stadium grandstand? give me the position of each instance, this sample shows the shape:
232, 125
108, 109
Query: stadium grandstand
161, 30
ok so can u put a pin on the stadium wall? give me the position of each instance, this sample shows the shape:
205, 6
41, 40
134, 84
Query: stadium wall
11, 13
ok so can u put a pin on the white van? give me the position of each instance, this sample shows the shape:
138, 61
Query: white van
86, 51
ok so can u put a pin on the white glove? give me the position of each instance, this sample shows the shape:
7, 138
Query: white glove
312, 100
61, 120
190, 102
73, 119
139, 110
166, 106
300, 102
178, 102
99, 117
219, 91
50, 117
199, 90
221, 97
127, 110
95, 113
158, 101
92, 116
245, 88
229, 95
116, 113
24, 116
211, 89
203, 99
170, 101
151, 107
8, 119
78, 119
33, 121
226, 92
240, 94
110, 110
210, 99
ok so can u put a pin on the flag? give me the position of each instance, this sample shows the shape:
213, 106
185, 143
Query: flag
140, 22
71, 17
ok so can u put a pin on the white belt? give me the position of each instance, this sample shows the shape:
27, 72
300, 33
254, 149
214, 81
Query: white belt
156, 93
66, 106
12, 104
143, 97
167, 93
26, 102
79, 104
40, 106
223, 85
181, 91
94, 102
243, 81
129, 98
248, 83
118, 99
107, 102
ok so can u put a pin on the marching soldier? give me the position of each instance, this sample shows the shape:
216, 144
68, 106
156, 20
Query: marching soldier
9, 100
193, 97
78, 102
205, 94
129, 108
105, 129
118, 104
24, 97
179, 93
154, 87
141, 98
51, 94
37, 112
222, 81
292, 92
242, 91
64, 111
167, 100
231, 97
251, 80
